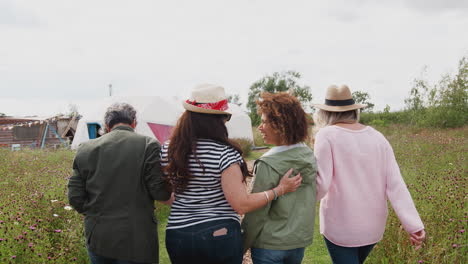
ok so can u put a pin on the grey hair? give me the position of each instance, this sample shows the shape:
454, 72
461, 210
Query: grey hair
324, 118
119, 113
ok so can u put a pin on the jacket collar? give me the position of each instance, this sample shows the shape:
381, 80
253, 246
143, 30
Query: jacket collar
123, 127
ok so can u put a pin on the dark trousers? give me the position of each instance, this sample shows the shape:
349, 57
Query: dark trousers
199, 243
96, 259
348, 255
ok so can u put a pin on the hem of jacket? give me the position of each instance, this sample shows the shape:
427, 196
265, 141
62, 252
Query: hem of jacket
353, 245
98, 252
283, 246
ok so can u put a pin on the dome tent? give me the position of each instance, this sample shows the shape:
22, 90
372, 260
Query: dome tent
155, 118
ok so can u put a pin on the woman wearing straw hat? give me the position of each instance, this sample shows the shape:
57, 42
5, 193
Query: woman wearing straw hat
207, 174
357, 173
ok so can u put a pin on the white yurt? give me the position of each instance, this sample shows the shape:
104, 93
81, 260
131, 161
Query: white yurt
155, 118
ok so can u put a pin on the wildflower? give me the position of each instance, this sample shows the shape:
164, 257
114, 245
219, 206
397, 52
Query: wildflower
454, 245
13, 257
420, 261
55, 215
1, 239
30, 244
462, 231
58, 230
32, 228
68, 208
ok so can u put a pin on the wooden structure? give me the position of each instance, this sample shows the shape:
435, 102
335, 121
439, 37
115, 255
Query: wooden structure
34, 132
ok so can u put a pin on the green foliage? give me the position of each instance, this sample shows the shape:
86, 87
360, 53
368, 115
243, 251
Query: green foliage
441, 105
245, 144
234, 99
277, 82
378, 123
258, 139
363, 98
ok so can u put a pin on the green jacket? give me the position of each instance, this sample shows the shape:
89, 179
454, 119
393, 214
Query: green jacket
288, 222
116, 179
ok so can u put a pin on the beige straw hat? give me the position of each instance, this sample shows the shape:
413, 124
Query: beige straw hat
207, 99
339, 99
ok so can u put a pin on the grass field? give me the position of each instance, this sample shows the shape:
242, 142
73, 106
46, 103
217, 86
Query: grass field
36, 227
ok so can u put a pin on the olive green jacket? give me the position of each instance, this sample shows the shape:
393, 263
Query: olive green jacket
116, 179
288, 222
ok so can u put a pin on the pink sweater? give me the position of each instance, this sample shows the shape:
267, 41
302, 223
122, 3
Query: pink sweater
357, 172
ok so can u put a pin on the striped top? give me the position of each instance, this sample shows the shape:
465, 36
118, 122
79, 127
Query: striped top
203, 200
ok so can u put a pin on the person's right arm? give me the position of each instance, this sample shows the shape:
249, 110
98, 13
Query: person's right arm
155, 184
324, 157
241, 201
77, 189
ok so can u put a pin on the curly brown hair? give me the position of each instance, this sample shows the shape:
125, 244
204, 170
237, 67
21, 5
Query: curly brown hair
285, 114
190, 127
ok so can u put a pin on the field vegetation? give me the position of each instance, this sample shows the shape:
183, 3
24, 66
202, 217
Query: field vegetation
37, 226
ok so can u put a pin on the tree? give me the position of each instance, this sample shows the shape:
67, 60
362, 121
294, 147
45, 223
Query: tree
2, 115
363, 98
278, 82
444, 104
234, 99
73, 111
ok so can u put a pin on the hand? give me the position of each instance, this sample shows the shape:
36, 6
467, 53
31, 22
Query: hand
417, 239
287, 184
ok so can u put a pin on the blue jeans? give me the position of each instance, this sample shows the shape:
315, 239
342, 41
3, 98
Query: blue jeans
200, 244
96, 259
270, 256
348, 255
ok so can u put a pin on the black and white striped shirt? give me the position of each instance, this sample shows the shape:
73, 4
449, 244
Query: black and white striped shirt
203, 200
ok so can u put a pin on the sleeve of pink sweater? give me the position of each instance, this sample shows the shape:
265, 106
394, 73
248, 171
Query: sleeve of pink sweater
324, 157
399, 196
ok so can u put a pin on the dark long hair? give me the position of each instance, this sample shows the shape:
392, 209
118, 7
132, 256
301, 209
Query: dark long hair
190, 127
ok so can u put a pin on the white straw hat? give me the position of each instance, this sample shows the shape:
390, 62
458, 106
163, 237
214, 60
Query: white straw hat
207, 99
339, 99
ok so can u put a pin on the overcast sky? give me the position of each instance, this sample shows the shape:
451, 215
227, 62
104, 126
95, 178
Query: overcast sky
59, 52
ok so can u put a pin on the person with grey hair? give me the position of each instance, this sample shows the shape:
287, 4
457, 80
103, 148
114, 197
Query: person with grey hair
115, 180
357, 173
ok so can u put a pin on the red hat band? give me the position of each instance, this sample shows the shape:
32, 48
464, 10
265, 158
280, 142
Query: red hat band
219, 106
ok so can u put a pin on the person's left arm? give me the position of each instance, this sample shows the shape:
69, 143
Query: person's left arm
401, 201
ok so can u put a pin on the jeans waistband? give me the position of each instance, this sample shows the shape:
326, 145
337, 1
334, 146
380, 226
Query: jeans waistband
205, 225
